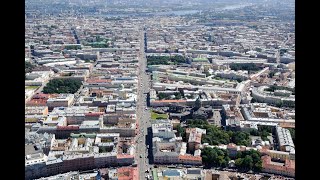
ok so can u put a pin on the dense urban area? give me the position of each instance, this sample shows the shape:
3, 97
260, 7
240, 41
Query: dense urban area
159, 90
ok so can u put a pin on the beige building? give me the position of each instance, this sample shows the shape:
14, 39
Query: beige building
194, 138
287, 168
63, 100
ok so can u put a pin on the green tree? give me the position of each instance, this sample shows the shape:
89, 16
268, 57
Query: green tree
264, 135
254, 132
214, 157
181, 91
181, 131
265, 128
214, 135
238, 162
162, 96
247, 162
62, 86
197, 103
258, 166
293, 134
177, 95
239, 154
271, 74
28, 67
241, 138
244, 66
165, 60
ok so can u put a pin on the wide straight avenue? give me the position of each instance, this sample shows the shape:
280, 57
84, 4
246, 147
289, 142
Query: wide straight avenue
143, 114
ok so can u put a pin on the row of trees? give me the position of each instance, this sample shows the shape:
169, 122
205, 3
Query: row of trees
97, 45
244, 66
165, 60
293, 134
70, 47
181, 131
168, 96
291, 104
216, 135
28, 67
262, 131
246, 160
272, 88
62, 86
215, 157
249, 160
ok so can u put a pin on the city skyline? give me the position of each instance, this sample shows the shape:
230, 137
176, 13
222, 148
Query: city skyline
172, 89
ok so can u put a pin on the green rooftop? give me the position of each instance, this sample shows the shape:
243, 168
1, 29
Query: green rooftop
154, 174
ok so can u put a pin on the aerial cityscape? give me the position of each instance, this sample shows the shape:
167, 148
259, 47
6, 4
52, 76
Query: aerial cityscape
159, 89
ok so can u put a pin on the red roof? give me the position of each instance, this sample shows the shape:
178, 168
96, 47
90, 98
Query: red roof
190, 157
128, 173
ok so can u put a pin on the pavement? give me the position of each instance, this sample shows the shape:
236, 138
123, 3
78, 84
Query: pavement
282, 45
39, 90
143, 115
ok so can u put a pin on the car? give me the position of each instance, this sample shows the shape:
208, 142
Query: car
146, 108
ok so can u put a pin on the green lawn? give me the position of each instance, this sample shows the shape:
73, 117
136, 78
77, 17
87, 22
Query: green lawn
31, 87
156, 115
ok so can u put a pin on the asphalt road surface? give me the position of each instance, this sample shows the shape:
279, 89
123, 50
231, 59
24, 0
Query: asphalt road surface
143, 114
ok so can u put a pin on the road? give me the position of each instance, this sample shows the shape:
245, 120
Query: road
40, 89
143, 115
282, 45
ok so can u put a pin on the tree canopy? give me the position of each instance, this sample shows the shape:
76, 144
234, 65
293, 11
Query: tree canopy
62, 86
28, 67
197, 103
263, 132
165, 60
181, 131
293, 134
168, 96
240, 138
249, 160
216, 135
72, 47
244, 66
213, 157
272, 88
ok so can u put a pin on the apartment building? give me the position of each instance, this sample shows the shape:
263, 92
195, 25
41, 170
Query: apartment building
63, 100
36, 110
286, 169
193, 135
284, 138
